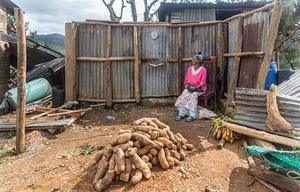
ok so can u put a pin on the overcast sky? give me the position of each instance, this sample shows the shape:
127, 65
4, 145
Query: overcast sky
49, 16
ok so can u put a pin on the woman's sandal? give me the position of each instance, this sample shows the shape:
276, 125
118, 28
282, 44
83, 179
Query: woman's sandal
178, 118
190, 119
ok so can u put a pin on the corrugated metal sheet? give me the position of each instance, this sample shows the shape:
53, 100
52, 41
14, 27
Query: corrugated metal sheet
92, 40
292, 86
251, 109
255, 31
158, 44
193, 15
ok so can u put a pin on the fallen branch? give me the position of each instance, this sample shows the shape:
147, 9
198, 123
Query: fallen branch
261, 135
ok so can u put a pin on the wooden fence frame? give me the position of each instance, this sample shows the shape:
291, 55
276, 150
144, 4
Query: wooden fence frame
71, 67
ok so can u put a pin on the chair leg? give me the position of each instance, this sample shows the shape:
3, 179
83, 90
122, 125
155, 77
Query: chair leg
205, 102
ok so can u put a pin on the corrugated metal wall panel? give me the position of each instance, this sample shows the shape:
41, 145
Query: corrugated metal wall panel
291, 87
193, 15
251, 108
255, 30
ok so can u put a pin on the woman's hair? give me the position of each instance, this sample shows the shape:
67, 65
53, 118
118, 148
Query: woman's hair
199, 57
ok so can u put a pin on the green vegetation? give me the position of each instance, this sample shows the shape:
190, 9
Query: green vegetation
54, 41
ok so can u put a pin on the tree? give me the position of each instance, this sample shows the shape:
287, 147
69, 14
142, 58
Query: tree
112, 12
288, 39
133, 9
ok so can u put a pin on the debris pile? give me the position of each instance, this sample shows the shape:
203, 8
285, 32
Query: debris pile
130, 156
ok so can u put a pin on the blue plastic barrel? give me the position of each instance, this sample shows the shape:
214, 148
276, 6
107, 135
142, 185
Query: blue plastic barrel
35, 90
272, 76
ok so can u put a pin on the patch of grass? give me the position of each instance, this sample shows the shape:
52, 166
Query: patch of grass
87, 150
6, 152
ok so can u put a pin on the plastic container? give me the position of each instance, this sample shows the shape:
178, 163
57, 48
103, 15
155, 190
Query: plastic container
58, 96
272, 76
35, 90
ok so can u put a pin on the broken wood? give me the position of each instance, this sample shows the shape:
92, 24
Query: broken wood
261, 135
269, 186
21, 88
69, 112
46, 113
249, 157
276, 179
275, 122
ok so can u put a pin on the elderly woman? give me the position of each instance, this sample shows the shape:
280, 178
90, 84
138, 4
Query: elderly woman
195, 85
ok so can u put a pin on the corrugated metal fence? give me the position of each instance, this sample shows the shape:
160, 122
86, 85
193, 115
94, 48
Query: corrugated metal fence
158, 55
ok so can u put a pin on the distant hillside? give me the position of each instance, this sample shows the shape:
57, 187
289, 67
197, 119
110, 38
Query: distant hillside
55, 41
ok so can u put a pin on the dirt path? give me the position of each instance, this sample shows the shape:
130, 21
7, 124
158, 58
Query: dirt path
57, 162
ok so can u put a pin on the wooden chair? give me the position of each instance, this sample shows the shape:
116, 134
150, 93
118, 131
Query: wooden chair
210, 95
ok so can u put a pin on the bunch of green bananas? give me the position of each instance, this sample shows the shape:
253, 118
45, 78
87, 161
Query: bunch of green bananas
220, 132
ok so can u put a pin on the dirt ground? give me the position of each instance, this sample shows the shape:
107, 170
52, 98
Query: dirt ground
65, 161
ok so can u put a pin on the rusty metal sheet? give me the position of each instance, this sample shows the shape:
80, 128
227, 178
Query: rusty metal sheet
255, 29
251, 109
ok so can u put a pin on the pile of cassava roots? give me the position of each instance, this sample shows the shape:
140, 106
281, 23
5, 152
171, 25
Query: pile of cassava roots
130, 155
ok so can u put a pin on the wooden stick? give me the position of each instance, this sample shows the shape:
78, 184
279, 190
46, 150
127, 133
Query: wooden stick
137, 64
236, 65
21, 88
69, 112
46, 113
98, 105
269, 186
71, 78
261, 135
180, 62
103, 59
274, 24
276, 179
45, 109
108, 68
220, 55
249, 157
259, 54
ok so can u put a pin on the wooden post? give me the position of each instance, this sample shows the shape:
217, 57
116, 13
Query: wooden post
21, 87
137, 64
180, 63
108, 68
236, 65
71, 77
220, 54
274, 24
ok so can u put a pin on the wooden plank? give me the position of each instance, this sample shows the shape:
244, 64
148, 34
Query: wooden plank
137, 64
103, 59
108, 69
93, 100
274, 24
71, 78
180, 62
259, 54
276, 179
262, 135
21, 76
69, 112
220, 55
45, 109
46, 113
249, 157
269, 186
236, 65
247, 14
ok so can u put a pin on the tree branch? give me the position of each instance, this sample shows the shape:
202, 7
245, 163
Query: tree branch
289, 37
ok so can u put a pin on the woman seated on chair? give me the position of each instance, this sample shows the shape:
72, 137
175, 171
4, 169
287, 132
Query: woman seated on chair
195, 85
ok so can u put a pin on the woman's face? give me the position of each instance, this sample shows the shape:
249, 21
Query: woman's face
195, 62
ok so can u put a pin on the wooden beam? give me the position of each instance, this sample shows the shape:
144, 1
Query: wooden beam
69, 112
247, 14
276, 179
236, 65
180, 62
262, 135
103, 59
71, 77
259, 54
46, 113
220, 55
108, 69
21, 76
274, 24
137, 64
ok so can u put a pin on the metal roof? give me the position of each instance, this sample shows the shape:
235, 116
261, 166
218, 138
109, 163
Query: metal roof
166, 8
9, 5
291, 87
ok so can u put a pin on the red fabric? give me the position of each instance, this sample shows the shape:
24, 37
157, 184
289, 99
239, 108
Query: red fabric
198, 80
